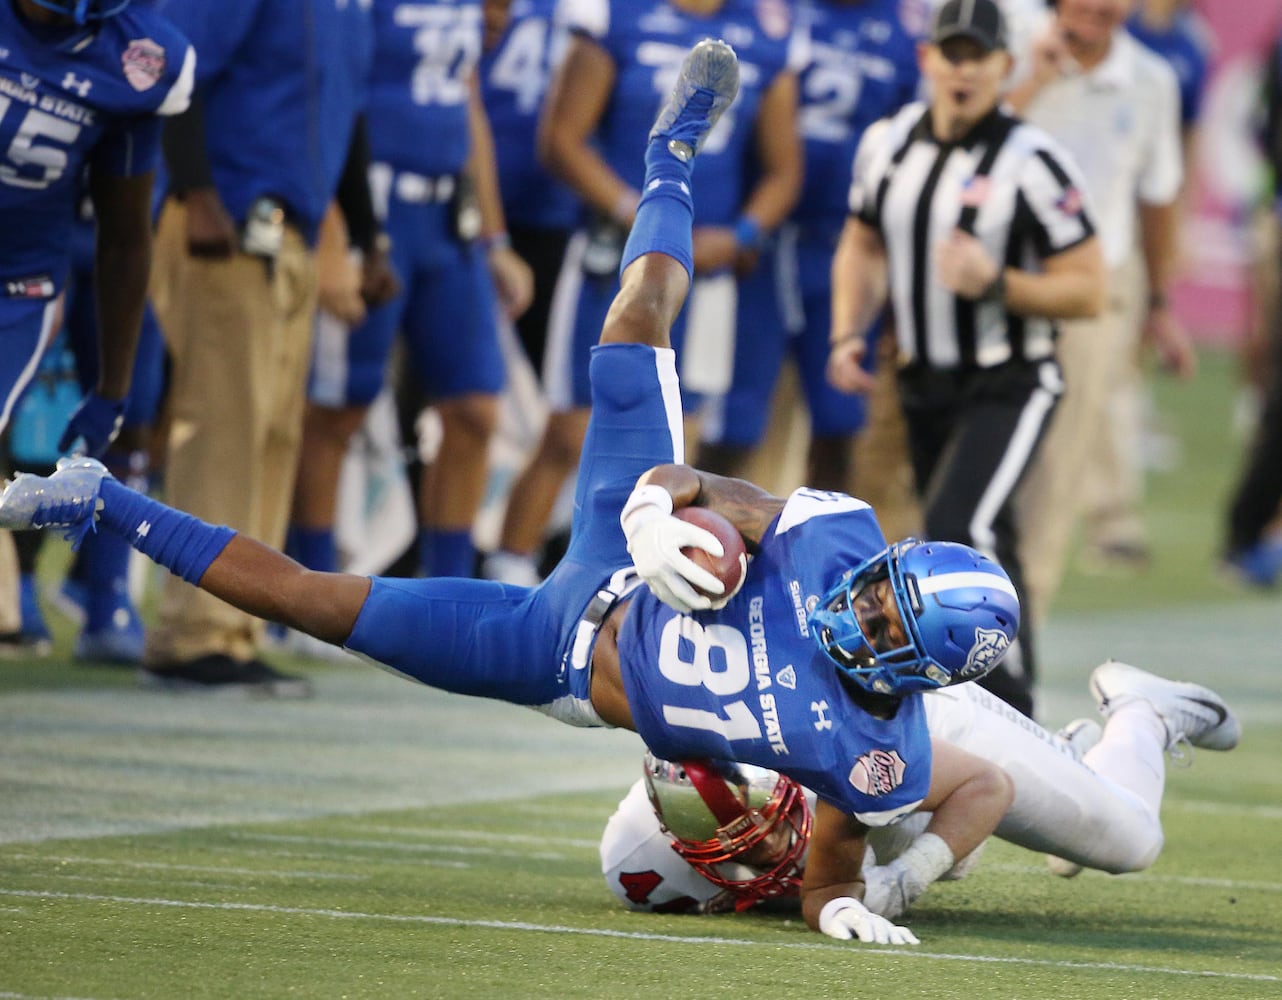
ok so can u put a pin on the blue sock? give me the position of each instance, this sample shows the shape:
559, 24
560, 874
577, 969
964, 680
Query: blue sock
313, 547
183, 544
666, 211
446, 553
104, 570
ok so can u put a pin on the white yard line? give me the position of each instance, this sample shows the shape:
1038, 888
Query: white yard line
525, 927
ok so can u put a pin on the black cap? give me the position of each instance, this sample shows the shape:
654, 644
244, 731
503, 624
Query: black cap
979, 20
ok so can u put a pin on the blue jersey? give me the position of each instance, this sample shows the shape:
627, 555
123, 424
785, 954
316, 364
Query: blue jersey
282, 82
859, 64
647, 41
68, 101
514, 80
749, 683
424, 57
1186, 48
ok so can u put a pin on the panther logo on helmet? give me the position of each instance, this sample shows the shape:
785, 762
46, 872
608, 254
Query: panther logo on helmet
990, 645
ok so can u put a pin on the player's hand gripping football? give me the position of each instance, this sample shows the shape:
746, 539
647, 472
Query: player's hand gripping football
655, 540
845, 917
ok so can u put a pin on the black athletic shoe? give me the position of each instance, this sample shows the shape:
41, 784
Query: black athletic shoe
219, 673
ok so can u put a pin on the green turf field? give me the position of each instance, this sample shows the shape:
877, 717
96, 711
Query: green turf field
384, 840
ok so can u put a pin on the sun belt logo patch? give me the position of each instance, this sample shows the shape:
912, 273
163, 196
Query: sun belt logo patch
878, 772
990, 644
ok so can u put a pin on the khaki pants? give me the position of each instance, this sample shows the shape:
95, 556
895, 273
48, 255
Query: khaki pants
1094, 355
240, 340
10, 608
883, 473
1113, 485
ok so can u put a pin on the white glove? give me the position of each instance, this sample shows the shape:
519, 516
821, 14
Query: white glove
845, 917
655, 539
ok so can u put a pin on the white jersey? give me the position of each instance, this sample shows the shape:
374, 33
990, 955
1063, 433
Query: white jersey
1062, 807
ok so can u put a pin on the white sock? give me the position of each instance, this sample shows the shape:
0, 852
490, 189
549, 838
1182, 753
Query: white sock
1132, 752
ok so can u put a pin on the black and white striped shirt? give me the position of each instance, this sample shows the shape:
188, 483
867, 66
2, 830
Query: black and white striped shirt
1007, 183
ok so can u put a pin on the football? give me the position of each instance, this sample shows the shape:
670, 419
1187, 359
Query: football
732, 567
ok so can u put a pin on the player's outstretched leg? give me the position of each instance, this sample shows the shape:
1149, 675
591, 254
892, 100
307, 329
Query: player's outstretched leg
653, 287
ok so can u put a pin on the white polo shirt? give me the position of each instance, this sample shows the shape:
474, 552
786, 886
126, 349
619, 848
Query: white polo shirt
1121, 123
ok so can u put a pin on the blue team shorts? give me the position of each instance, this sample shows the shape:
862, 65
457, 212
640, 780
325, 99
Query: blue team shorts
526, 645
446, 310
784, 309
26, 329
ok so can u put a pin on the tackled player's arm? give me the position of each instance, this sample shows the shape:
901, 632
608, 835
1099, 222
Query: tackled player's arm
834, 865
745, 505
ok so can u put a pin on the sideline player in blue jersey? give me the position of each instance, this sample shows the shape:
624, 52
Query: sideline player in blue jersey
430, 143
814, 667
619, 66
856, 63
83, 84
541, 210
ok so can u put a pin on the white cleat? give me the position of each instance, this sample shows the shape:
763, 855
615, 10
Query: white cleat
66, 499
1190, 712
708, 84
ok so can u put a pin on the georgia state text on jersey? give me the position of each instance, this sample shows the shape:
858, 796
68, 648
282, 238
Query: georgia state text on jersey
72, 98
424, 56
647, 41
748, 682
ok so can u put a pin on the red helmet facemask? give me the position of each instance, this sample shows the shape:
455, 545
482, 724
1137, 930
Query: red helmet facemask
743, 828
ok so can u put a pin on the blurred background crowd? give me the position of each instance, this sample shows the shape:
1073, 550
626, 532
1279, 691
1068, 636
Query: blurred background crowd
387, 232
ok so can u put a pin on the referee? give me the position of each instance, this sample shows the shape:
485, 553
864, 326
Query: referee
972, 224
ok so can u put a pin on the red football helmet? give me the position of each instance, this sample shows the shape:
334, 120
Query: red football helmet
743, 828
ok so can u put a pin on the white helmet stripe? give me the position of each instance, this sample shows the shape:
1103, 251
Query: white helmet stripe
952, 581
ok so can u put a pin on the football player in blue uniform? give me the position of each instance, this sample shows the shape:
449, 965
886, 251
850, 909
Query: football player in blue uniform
619, 65
445, 221
541, 210
83, 85
857, 62
814, 667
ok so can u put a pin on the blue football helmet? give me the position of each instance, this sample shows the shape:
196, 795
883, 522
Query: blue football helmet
84, 11
959, 610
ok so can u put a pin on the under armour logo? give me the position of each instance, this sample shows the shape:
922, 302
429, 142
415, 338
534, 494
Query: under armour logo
28, 81
660, 180
72, 82
144, 529
822, 722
